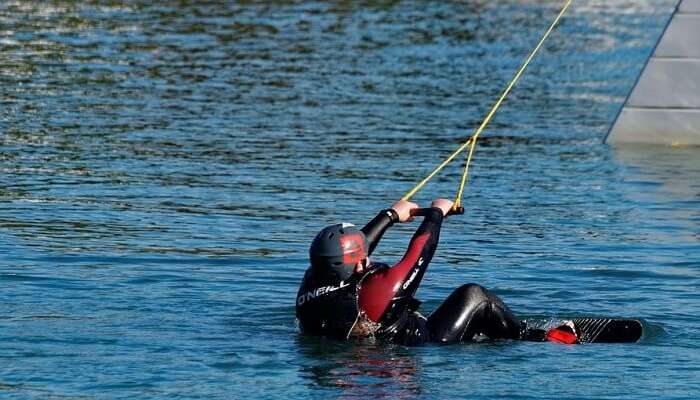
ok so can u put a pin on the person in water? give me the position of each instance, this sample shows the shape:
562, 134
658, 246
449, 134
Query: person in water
344, 295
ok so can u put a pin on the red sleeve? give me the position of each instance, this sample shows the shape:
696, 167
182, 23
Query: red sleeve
379, 289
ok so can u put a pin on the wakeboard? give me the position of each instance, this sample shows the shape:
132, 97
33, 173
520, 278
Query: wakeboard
588, 330
608, 330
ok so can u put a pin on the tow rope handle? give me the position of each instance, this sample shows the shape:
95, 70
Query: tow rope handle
421, 212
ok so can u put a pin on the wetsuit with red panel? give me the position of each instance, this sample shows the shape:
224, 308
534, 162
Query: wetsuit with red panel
379, 303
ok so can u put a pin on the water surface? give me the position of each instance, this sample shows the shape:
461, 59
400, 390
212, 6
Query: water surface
164, 167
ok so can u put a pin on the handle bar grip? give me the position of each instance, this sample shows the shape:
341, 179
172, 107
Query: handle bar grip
420, 212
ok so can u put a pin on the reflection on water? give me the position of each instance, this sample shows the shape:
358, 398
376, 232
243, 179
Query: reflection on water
674, 169
361, 370
663, 183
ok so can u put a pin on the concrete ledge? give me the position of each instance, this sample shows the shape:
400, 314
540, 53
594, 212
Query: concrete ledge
682, 38
689, 6
664, 105
656, 126
668, 83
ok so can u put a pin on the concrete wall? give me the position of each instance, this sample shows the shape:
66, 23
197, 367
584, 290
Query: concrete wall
664, 105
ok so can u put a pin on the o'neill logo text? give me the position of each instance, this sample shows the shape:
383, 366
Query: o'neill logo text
410, 279
312, 294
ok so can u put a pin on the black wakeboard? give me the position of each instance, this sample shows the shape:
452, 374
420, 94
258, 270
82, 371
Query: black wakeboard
594, 330
608, 330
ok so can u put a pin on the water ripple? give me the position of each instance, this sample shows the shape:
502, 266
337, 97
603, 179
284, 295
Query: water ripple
164, 166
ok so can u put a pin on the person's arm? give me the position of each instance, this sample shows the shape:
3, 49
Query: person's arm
374, 230
403, 279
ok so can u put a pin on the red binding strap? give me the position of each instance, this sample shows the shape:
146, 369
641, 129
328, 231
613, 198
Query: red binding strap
562, 334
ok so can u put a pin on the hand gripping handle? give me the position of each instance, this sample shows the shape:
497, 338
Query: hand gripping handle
420, 212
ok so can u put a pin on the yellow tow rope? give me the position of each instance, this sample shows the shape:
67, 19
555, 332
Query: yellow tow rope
472, 140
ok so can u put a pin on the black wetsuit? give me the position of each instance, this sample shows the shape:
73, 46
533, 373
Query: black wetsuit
380, 302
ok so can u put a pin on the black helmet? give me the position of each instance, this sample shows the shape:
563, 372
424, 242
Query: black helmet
337, 249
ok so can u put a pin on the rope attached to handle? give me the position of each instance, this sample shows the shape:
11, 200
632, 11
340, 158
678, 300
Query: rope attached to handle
489, 116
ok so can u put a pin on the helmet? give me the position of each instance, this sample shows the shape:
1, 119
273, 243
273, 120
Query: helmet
337, 249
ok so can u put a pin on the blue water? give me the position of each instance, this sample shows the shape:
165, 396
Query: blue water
164, 167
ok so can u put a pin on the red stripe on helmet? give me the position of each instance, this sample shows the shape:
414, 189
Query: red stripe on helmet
353, 245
